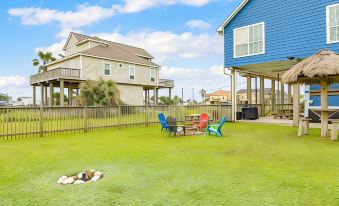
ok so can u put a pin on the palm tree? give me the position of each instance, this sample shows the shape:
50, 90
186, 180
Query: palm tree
45, 58
202, 93
99, 93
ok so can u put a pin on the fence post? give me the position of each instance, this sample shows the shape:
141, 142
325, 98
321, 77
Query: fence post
220, 112
119, 117
41, 121
146, 115
85, 120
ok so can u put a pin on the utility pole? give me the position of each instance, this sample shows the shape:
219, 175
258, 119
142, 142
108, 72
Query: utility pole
193, 95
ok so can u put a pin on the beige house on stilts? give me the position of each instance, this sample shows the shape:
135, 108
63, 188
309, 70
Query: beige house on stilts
89, 58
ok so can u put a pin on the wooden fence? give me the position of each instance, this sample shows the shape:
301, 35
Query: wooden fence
23, 122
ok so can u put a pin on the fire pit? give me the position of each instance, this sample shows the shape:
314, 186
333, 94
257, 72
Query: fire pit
81, 178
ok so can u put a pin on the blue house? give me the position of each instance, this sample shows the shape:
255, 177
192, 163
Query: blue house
264, 38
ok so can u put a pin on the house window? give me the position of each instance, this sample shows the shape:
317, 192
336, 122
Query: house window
131, 72
153, 75
249, 40
332, 23
107, 69
120, 66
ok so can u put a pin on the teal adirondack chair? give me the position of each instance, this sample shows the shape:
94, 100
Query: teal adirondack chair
216, 128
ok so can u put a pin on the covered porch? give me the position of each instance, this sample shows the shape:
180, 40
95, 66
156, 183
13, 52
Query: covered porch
271, 96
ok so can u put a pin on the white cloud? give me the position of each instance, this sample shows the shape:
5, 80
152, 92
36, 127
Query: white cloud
67, 20
164, 45
132, 6
55, 48
9, 81
15, 86
198, 24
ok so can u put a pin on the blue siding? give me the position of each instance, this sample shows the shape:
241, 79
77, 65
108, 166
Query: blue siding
332, 100
317, 87
293, 28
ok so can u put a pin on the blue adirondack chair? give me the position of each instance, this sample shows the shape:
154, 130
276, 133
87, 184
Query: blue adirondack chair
163, 122
216, 128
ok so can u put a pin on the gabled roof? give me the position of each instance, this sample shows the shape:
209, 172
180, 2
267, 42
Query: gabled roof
131, 49
116, 53
220, 29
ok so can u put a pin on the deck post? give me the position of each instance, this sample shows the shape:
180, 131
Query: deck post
170, 93
70, 94
46, 95
262, 95
62, 86
51, 98
234, 94
282, 94
249, 89
289, 94
273, 97
41, 94
34, 95
296, 94
324, 106
155, 96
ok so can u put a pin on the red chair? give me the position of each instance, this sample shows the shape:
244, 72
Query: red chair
203, 121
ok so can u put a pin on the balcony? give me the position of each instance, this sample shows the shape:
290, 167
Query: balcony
56, 74
166, 83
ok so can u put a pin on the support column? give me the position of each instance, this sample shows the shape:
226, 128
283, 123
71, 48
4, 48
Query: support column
155, 94
282, 93
42, 95
34, 95
324, 107
289, 94
170, 93
148, 97
273, 97
70, 94
46, 95
234, 94
249, 89
62, 86
51, 92
296, 108
145, 97
262, 95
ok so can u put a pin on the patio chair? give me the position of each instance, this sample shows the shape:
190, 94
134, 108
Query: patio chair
173, 127
216, 128
163, 122
203, 121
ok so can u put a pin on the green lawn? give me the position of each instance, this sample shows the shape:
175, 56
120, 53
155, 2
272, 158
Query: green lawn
250, 165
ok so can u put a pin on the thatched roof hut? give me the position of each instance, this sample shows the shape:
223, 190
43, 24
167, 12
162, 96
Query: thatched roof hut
323, 68
324, 65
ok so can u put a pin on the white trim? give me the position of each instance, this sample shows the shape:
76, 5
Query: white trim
87, 55
86, 40
220, 29
328, 39
129, 72
263, 40
110, 69
155, 75
68, 38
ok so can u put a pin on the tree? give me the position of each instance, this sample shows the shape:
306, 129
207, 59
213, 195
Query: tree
99, 93
3, 97
56, 96
167, 101
45, 58
202, 93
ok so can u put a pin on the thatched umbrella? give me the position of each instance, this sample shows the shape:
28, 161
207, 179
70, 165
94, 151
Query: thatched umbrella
323, 68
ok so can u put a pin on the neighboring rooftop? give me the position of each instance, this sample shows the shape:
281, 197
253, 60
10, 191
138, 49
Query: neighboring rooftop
267, 91
131, 49
219, 93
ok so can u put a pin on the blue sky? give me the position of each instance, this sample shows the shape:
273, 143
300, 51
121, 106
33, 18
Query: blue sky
179, 33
